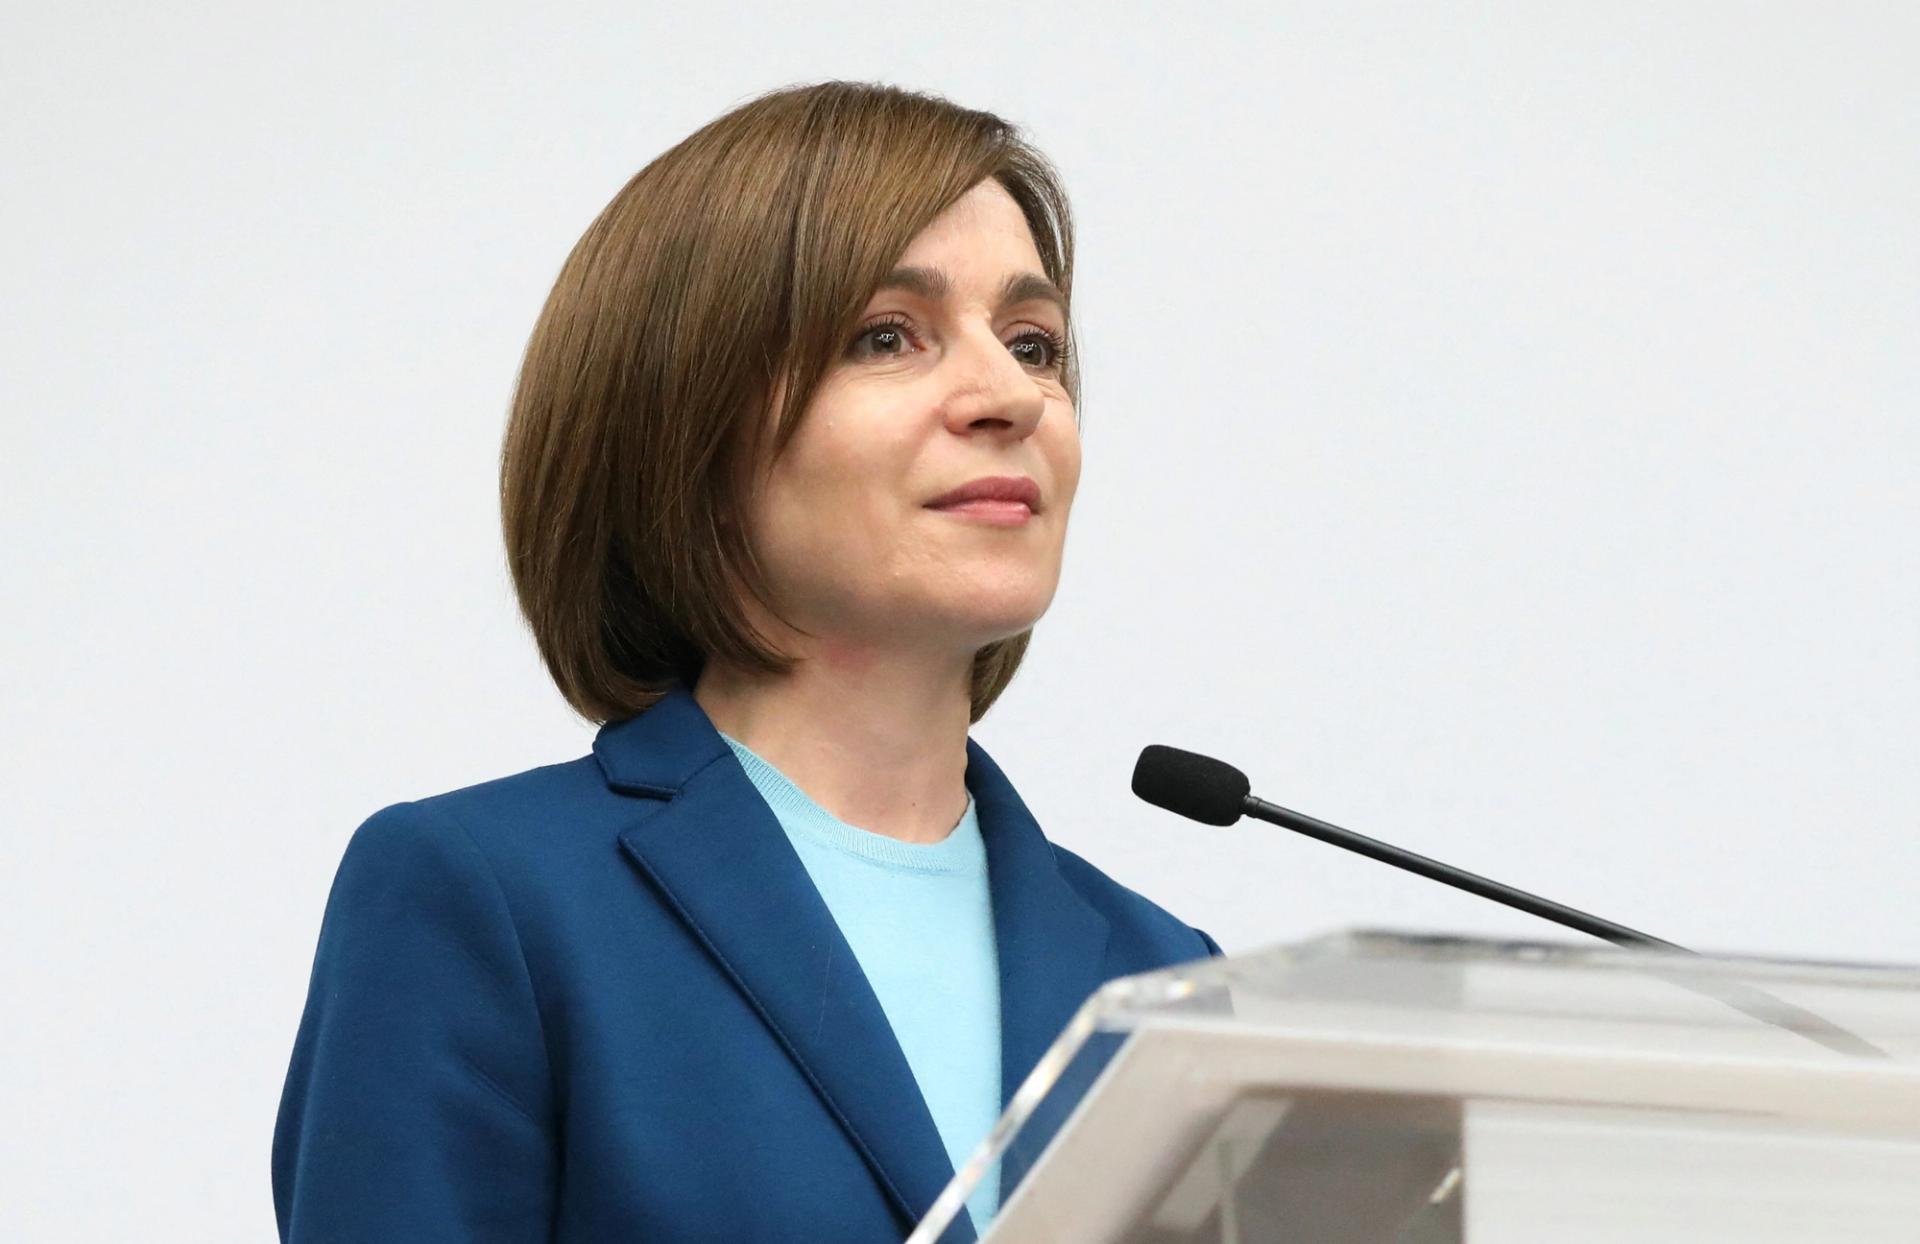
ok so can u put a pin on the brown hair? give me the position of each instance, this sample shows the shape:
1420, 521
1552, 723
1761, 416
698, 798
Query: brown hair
745, 252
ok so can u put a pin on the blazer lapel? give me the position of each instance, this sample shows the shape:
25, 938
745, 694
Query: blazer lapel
717, 853
719, 856
1052, 946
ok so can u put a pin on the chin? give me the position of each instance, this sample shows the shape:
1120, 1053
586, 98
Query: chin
989, 616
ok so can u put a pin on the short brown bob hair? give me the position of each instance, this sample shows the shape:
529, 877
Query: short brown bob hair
746, 251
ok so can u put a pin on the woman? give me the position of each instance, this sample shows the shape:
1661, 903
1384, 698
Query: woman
767, 964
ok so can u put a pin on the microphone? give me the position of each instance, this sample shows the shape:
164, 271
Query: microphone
1213, 792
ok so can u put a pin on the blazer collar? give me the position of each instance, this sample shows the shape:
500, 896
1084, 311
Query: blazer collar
718, 855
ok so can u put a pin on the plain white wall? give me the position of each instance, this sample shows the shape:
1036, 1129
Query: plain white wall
1500, 439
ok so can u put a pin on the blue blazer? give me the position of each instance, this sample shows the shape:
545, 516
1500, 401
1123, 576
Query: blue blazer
602, 1000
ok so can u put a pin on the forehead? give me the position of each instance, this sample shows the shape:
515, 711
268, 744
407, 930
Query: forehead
984, 223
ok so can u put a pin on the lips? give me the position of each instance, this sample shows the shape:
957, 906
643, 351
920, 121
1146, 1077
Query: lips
992, 488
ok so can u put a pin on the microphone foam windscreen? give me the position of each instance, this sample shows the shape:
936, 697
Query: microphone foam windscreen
1207, 790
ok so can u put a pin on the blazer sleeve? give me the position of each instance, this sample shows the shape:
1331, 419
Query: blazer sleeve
419, 1103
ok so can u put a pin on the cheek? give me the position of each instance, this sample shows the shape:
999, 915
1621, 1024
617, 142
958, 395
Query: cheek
1065, 455
831, 515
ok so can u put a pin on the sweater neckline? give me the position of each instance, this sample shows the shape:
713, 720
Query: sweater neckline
962, 851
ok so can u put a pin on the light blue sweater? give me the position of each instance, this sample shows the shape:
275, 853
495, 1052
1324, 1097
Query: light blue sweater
920, 920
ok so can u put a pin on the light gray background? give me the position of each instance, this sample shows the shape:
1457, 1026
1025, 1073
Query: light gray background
1499, 438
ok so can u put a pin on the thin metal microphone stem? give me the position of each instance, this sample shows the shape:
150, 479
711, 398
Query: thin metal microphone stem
1447, 874
1737, 994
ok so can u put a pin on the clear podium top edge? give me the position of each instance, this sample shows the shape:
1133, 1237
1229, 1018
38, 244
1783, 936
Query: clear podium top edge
1384, 944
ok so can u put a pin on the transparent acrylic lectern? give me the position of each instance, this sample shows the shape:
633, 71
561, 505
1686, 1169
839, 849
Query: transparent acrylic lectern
1382, 1087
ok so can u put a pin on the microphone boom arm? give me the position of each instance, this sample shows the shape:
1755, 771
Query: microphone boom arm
1447, 874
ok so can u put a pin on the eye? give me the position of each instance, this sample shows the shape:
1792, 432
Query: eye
890, 336
1055, 343
887, 333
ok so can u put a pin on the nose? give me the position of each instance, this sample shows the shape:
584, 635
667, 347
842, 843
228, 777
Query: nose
992, 390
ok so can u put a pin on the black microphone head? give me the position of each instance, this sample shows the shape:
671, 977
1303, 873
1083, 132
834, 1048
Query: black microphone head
1210, 791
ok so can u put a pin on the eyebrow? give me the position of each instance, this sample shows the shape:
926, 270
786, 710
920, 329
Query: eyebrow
934, 285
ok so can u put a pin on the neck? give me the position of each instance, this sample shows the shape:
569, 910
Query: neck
876, 737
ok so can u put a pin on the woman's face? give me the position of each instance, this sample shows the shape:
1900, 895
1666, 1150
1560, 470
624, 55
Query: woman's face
945, 382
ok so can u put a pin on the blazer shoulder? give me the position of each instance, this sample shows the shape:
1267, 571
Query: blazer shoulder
1149, 928
531, 790
537, 830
